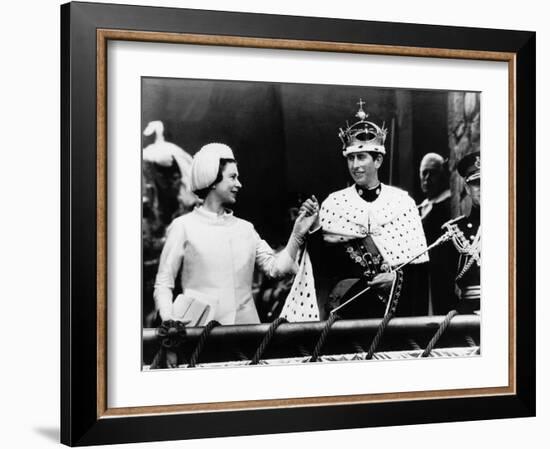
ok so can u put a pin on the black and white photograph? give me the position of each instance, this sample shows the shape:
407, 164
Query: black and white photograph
288, 223
271, 224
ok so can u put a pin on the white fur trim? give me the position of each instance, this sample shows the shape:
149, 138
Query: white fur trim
392, 220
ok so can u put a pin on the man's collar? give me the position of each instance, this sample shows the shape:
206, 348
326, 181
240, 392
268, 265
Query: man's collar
438, 199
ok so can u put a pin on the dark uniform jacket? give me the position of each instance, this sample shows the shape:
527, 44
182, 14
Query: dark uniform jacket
468, 270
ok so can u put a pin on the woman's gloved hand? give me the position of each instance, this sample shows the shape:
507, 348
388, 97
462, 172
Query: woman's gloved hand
308, 217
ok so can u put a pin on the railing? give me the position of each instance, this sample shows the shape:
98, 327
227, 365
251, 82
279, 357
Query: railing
283, 340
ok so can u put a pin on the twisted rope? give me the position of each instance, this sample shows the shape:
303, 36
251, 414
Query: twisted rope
442, 328
394, 300
470, 341
265, 342
170, 335
378, 336
324, 334
201, 343
466, 267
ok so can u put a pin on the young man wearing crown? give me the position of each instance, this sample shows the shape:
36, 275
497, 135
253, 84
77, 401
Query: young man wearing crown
365, 234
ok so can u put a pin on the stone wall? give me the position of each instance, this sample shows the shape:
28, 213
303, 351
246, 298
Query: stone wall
464, 137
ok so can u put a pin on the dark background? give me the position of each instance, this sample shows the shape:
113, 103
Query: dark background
285, 136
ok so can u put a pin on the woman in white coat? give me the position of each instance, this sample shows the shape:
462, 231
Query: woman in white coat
218, 251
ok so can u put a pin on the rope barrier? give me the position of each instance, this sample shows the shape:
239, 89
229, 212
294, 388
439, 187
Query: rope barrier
201, 343
470, 341
324, 334
171, 334
442, 328
379, 334
393, 301
265, 342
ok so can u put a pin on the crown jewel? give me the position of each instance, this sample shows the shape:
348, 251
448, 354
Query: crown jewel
363, 135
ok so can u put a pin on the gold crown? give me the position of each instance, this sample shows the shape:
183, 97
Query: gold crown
363, 135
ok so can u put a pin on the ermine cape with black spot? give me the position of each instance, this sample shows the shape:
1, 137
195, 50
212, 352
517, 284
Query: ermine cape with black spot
301, 302
392, 220
395, 227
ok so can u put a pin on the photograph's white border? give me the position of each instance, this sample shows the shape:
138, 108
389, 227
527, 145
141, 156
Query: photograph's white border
128, 385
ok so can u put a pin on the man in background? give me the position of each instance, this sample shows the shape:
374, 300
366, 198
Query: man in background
468, 245
434, 211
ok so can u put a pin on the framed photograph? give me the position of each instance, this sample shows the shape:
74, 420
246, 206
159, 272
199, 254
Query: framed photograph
273, 224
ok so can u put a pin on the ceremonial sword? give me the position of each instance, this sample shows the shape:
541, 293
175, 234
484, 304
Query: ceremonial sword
451, 230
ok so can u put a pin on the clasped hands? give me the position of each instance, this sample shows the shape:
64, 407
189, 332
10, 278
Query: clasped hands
308, 217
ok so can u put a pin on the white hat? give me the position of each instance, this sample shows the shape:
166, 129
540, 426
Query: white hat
206, 164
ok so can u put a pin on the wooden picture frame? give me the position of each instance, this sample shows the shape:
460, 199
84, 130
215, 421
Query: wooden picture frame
86, 29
